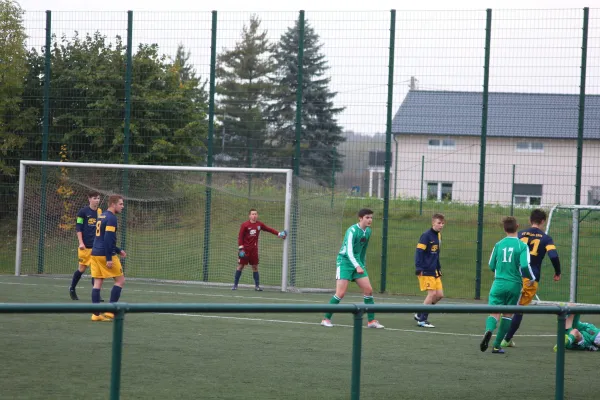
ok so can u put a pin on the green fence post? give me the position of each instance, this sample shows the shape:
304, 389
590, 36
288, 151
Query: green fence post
422, 177
581, 120
117, 354
484, 115
127, 124
45, 140
356, 354
209, 156
560, 355
388, 152
512, 192
296, 161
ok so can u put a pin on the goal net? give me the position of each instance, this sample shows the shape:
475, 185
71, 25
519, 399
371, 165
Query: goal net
575, 230
181, 223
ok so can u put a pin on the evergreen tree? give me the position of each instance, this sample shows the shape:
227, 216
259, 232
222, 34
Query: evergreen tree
321, 134
244, 88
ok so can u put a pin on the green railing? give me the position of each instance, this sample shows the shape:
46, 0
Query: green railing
120, 309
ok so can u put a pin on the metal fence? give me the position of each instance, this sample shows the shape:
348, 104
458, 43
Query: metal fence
471, 113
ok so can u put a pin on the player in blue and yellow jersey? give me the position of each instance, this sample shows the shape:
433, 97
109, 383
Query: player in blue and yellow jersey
539, 245
105, 261
86, 232
351, 266
428, 267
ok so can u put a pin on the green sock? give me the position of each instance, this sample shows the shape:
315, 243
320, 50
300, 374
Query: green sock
369, 300
334, 300
490, 323
502, 330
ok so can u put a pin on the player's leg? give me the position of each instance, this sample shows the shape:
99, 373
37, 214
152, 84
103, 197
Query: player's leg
242, 262
496, 297
84, 258
527, 294
98, 264
253, 259
117, 275
365, 284
512, 295
343, 275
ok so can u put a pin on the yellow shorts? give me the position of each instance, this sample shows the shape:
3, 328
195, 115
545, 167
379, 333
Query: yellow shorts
85, 256
100, 270
528, 292
430, 283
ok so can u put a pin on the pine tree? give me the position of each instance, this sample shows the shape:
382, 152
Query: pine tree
321, 134
244, 87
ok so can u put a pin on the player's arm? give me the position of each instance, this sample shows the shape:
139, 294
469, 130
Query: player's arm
420, 252
267, 228
241, 234
79, 228
492, 262
553, 254
110, 238
524, 260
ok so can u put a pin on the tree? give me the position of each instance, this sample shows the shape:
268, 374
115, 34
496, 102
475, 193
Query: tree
244, 89
321, 134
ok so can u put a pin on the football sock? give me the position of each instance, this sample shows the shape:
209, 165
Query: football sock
76, 277
256, 279
115, 294
96, 298
571, 338
369, 300
423, 316
490, 323
334, 300
514, 326
504, 327
238, 274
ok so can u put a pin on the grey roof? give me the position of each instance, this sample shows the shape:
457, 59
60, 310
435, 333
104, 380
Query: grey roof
534, 115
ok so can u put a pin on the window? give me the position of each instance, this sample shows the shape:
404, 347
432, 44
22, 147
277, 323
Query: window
530, 146
442, 143
594, 196
527, 194
439, 191
376, 158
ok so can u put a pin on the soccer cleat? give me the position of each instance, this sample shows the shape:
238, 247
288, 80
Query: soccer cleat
426, 324
234, 287
375, 324
73, 294
498, 350
566, 343
100, 318
485, 342
258, 289
109, 315
510, 343
327, 323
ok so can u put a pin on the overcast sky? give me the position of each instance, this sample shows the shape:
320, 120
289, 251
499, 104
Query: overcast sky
536, 45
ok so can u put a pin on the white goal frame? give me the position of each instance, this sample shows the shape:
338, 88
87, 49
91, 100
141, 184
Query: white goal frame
574, 242
287, 210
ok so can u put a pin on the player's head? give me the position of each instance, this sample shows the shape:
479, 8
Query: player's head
538, 217
253, 215
510, 224
365, 217
115, 203
94, 198
438, 221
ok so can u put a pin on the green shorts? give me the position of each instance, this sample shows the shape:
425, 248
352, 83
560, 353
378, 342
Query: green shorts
505, 293
347, 272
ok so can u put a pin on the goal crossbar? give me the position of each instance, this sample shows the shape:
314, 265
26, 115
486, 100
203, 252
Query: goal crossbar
25, 163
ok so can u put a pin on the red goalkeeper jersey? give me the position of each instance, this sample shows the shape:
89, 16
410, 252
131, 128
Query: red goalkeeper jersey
248, 236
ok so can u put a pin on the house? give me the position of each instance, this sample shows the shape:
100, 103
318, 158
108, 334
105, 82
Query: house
531, 142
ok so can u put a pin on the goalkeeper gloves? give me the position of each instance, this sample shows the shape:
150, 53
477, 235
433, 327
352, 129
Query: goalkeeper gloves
282, 234
241, 252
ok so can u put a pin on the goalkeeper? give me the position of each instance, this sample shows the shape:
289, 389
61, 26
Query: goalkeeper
248, 247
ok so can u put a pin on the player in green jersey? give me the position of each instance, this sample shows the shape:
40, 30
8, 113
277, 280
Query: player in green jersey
510, 263
580, 335
351, 266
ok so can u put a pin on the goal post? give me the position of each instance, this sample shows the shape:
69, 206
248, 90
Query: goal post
168, 195
576, 232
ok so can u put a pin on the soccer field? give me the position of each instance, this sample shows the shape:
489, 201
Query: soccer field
268, 356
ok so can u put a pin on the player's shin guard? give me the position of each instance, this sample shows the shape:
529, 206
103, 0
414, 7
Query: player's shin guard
514, 327
334, 300
369, 300
115, 293
504, 327
96, 298
236, 279
76, 277
256, 278
491, 323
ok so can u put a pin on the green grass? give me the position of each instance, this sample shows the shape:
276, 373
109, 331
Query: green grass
268, 356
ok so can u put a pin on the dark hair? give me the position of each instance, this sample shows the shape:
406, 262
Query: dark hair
252, 209
93, 193
114, 199
364, 211
537, 216
510, 224
438, 216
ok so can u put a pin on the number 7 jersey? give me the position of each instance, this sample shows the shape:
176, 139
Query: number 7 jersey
539, 244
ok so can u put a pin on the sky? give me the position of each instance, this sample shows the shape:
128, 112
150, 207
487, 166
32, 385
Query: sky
536, 45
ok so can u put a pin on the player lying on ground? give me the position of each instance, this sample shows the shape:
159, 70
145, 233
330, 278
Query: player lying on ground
351, 266
580, 335
248, 247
